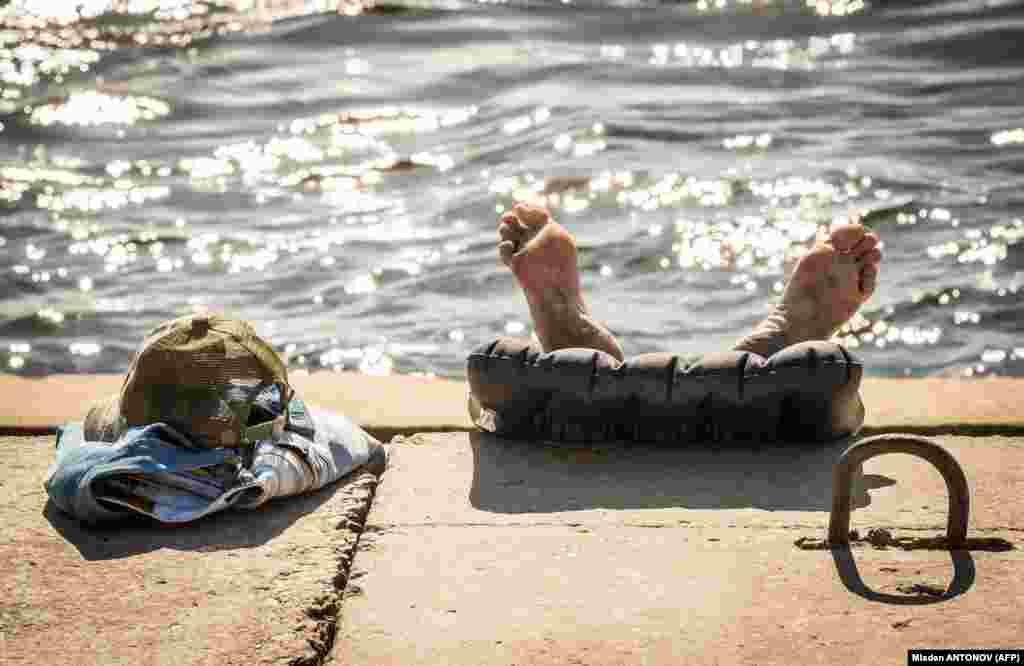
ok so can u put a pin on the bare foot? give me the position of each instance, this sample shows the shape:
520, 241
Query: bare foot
542, 255
836, 276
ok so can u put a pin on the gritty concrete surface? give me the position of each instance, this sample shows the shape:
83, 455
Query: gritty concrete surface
259, 587
403, 405
487, 551
944, 405
480, 550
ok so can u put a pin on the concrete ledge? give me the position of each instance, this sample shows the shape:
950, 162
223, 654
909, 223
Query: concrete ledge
260, 587
403, 405
628, 595
486, 551
937, 406
385, 406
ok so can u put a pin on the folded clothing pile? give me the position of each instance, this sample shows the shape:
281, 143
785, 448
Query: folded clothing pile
206, 420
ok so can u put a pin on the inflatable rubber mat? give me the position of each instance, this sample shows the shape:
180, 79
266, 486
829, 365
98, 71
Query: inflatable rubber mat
804, 392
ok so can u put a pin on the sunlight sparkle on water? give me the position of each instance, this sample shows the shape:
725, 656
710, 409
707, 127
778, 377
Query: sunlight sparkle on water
344, 175
747, 142
337, 154
523, 123
84, 348
371, 360
1007, 137
95, 200
819, 7
778, 54
362, 284
977, 246
94, 108
961, 317
992, 356
385, 120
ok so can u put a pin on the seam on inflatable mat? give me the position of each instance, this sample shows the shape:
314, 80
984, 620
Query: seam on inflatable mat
849, 361
765, 372
671, 379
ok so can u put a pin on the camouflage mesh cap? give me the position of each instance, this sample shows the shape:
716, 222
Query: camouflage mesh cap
205, 375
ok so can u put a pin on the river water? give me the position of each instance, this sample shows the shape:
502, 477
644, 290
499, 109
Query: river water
333, 172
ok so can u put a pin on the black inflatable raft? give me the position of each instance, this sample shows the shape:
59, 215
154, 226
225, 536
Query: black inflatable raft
804, 392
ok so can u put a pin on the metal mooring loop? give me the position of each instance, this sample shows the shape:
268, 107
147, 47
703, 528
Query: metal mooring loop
922, 447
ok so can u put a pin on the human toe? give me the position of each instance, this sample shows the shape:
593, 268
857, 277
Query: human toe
530, 215
867, 243
507, 250
846, 237
871, 257
511, 228
868, 279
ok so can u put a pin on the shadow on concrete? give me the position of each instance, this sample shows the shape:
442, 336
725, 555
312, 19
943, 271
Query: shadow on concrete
514, 476
228, 530
963, 579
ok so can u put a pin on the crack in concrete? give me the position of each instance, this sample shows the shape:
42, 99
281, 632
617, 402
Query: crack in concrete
682, 524
880, 538
326, 609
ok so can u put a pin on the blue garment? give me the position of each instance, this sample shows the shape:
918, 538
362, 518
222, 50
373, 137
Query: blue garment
155, 470
81, 468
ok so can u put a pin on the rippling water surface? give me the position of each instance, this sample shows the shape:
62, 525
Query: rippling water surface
333, 171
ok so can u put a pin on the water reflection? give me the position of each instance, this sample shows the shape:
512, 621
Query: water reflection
987, 247
1008, 137
340, 153
53, 41
95, 108
777, 54
819, 7
344, 213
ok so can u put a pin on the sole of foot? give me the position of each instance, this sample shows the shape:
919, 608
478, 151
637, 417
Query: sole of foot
830, 282
542, 256
540, 252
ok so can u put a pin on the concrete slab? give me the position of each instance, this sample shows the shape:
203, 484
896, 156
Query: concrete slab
630, 595
485, 551
476, 478
260, 587
388, 406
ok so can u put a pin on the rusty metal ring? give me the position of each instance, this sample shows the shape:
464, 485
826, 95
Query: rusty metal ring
922, 447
